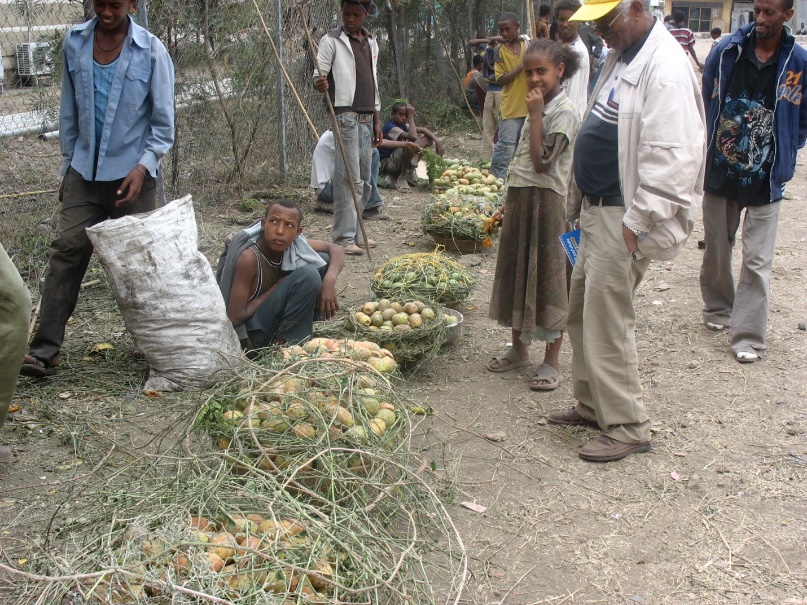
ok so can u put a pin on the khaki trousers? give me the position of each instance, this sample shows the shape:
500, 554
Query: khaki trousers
15, 311
745, 308
490, 122
601, 327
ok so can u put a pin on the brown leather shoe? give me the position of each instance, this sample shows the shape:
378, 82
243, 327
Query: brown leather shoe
570, 417
605, 449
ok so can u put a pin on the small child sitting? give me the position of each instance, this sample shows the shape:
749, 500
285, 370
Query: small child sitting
403, 146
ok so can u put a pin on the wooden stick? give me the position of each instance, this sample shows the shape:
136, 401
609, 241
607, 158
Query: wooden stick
454, 69
24, 193
338, 135
34, 317
282, 67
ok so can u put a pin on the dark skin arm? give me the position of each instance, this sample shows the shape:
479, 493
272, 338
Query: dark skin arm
240, 308
408, 145
509, 76
412, 133
131, 186
694, 56
438, 143
535, 105
327, 303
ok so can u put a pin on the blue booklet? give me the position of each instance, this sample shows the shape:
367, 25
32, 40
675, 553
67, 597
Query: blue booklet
570, 242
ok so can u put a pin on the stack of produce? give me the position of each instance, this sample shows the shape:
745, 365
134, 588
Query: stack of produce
311, 497
378, 358
298, 417
412, 331
452, 219
195, 533
430, 277
469, 180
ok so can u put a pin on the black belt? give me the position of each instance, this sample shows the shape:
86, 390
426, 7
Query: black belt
605, 200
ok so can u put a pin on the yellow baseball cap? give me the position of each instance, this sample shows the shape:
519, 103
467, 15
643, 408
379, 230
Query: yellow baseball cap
594, 9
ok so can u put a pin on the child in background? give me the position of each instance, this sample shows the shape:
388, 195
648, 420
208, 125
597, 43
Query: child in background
715, 33
529, 287
404, 142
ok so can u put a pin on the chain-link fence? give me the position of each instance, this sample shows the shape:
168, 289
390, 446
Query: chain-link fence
243, 122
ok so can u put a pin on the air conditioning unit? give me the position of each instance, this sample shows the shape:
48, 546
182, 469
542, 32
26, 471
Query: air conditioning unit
34, 59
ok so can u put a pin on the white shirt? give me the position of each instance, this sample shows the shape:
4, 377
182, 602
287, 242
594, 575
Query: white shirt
322, 164
576, 87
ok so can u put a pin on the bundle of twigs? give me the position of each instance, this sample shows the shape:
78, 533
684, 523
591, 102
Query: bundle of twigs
203, 535
325, 514
430, 277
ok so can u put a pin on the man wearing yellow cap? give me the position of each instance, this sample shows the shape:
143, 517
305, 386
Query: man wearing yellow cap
637, 181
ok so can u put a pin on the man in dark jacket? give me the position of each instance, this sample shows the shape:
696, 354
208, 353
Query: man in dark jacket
756, 123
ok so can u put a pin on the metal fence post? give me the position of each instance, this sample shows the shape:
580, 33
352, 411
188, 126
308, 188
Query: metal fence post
281, 90
143, 21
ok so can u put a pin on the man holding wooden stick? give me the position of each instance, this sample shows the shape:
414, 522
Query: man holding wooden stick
347, 59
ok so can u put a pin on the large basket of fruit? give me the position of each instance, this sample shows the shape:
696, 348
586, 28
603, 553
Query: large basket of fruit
413, 331
461, 223
460, 176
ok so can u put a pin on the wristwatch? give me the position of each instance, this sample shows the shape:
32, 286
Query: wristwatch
636, 232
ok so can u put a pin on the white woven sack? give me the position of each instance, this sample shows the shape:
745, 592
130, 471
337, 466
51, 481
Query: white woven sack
168, 296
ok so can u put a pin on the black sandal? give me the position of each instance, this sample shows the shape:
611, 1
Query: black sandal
38, 368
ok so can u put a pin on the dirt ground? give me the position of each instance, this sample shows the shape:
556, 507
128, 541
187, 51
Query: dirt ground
714, 514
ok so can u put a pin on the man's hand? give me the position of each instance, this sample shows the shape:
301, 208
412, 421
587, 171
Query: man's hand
630, 239
321, 84
410, 110
438, 147
498, 215
131, 186
413, 147
61, 189
378, 136
535, 103
327, 303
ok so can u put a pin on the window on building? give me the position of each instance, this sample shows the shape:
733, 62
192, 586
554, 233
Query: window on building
699, 15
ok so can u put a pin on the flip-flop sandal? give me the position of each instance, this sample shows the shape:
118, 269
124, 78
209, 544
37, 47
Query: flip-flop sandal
513, 360
33, 366
746, 357
549, 375
402, 189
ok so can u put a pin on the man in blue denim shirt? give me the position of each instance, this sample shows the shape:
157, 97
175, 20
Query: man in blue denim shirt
347, 57
116, 122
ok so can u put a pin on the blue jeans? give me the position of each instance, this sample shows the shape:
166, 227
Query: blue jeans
505, 149
358, 141
375, 201
375, 198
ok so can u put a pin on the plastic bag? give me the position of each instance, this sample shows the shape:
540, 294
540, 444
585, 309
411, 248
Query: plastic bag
168, 296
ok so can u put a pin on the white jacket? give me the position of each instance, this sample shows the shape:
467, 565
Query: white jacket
336, 59
662, 144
